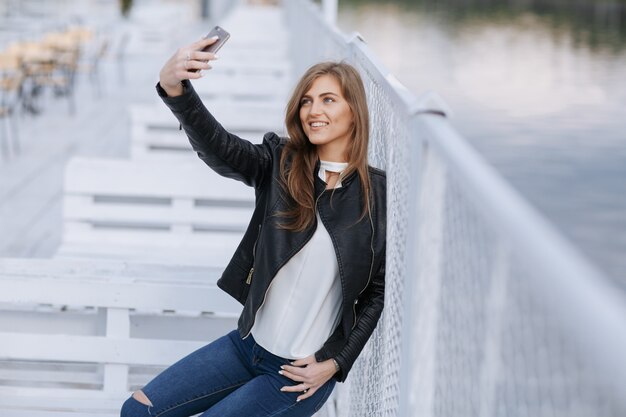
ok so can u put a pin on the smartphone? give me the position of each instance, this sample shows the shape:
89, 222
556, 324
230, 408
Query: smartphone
222, 37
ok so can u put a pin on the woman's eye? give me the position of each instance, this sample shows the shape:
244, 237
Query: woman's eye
328, 100
304, 101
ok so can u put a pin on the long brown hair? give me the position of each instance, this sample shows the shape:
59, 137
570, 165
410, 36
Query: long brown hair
299, 157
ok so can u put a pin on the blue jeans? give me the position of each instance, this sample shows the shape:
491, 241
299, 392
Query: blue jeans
229, 377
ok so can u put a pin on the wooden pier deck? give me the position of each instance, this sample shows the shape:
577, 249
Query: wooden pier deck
75, 308
31, 183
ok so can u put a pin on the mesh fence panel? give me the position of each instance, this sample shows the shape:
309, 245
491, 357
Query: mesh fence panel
500, 345
467, 329
488, 341
542, 370
466, 254
380, 362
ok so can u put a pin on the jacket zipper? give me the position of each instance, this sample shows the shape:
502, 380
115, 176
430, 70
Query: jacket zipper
370, 274
270, 286
249, 279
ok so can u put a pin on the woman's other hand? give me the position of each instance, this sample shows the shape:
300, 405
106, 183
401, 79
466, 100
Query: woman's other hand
186, 64
309, 375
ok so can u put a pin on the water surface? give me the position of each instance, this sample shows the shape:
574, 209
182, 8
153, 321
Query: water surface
537, 87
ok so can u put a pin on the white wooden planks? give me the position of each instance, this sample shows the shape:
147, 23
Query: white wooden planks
152, 211
107, 315
124, 347
155, 132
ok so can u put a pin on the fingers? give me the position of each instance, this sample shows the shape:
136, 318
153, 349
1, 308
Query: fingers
188, 74
193, 65
306, 394
191, 62
304, 384
195, 51
300, 369
292, 372
187, 63
192, 75
306, 390
300, 387
304, 361
196, 55
203, 43
307, 376
191, 58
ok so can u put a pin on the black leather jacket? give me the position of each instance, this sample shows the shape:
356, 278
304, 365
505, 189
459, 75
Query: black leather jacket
265, 248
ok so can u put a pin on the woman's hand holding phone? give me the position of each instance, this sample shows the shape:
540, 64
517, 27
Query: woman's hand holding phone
187, 63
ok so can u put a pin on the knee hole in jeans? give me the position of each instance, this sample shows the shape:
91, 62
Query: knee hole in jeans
142, 398
132, 407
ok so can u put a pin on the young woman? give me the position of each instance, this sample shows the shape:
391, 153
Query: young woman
310, 269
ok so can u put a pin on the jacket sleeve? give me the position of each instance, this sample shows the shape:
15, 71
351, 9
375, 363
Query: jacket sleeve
367, 319
227, 154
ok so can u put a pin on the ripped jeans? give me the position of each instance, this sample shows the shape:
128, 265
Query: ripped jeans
228, 377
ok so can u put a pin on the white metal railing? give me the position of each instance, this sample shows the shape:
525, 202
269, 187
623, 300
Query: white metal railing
488, 311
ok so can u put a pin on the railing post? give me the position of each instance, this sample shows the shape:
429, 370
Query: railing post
330, 11
422, 280
417, 151
495, 301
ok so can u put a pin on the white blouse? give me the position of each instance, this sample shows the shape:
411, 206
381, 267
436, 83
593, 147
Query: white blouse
303, 302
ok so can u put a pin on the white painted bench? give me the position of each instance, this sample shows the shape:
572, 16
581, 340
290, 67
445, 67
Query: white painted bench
119, 325
264, 59
253, 63
155, 132
242, 86
263, 49
155, 27
148, 211
248, 71
249, 22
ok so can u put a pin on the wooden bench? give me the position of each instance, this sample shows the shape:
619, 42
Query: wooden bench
149, 211
99, 331
155, 132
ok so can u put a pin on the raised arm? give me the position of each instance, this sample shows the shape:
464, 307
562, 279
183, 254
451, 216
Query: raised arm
226, 153
187, 63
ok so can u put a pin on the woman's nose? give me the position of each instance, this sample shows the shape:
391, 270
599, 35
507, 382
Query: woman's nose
316, 108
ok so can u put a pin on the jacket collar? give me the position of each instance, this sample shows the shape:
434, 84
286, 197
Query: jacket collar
320, 185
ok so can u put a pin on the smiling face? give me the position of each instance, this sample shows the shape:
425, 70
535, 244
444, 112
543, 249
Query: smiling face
327, 119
